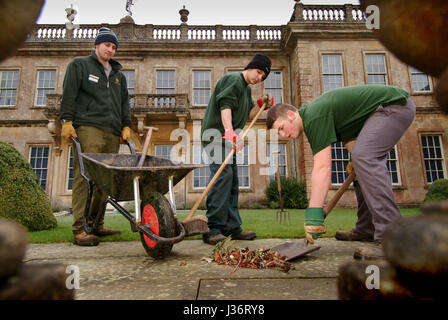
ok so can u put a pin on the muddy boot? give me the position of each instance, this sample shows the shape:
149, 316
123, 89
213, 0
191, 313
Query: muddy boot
372, 252
84, 239
214, 239
106, 232
244, 235
352, 235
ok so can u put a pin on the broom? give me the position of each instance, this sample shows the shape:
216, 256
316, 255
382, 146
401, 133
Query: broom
199, 224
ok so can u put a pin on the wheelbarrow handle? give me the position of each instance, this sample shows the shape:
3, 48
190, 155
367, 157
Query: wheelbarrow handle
79, 153
161, 240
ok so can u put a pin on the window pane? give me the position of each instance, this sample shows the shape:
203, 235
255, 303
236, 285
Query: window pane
433, 157
340, 160
273, 164
273, 85
39, 163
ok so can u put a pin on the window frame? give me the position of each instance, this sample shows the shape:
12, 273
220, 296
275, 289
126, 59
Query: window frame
193, 88
36, 91
411, 82
170, 146
70, 151
386, 65
18, 70
442, 152
269, 153
48, 168
241, 155
321, 66
206, 168
266, 89
397, 162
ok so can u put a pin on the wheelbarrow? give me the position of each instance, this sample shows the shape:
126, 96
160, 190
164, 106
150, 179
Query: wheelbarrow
122, 179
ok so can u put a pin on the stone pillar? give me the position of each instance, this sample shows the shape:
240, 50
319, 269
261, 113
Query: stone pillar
348, 8
218, 30
253, 32
298, 12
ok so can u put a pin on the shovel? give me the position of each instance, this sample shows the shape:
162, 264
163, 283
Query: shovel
293, 250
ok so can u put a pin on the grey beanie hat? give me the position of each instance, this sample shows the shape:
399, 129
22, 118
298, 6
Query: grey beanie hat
106, 35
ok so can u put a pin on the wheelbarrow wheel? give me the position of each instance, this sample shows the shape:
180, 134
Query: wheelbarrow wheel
156, 211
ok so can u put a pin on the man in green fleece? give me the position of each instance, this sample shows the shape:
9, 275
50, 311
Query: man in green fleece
95, 110
230, 106
369, 120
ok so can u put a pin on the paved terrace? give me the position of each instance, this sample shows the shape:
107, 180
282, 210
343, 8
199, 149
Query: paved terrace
123, 271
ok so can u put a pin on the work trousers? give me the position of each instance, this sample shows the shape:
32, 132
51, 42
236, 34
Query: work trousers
382, 130
92, 140
222, 199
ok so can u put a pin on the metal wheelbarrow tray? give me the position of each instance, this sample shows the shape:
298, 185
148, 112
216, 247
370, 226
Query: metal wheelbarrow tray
118, 176
114, 173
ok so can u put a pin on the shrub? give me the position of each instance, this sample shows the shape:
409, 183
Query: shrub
21, 197
293, 193
437, 191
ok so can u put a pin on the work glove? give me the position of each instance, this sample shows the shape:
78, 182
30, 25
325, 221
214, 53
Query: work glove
234, 139
314, 223
349, 169
266, 98
125, 134
68, 131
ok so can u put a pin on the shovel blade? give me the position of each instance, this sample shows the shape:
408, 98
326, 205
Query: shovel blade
293, 250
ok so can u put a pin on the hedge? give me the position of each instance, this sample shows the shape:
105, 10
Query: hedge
21, 197
437, 191
293, 193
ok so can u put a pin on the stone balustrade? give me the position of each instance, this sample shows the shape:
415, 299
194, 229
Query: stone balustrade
153, 33
163, 102
347, 13
128, 30
159, 101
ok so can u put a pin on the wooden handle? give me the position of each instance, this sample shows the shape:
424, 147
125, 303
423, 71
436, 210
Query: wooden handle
339, 193
279, 185
146, 145
221, 168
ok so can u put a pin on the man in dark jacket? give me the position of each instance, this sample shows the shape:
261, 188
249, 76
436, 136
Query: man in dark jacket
230, 106
95, 110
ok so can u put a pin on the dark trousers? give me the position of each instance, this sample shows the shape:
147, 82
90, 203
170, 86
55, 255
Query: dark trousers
92, 140
222, 199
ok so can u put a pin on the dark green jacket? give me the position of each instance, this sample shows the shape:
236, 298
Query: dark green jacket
90, 99
231, 92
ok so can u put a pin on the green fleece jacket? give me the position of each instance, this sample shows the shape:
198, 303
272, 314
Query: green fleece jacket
90, 99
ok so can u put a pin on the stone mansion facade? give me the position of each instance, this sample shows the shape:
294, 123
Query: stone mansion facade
171, 72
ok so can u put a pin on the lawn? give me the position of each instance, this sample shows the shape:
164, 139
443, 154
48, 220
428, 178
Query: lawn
262, 221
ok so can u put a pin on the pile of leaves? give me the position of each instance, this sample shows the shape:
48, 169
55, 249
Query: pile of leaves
245, 258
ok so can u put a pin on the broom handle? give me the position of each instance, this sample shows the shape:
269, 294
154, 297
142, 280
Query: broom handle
146, 145
221, 168
339, 193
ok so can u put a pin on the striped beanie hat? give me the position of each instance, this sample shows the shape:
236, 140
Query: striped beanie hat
106, 35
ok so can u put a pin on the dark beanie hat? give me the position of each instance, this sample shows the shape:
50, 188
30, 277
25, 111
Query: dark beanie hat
261, 62
106, 35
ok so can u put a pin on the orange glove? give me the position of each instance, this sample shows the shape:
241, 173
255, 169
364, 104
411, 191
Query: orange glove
349, 169
68, 131
231, 136
268, 98
126, 134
